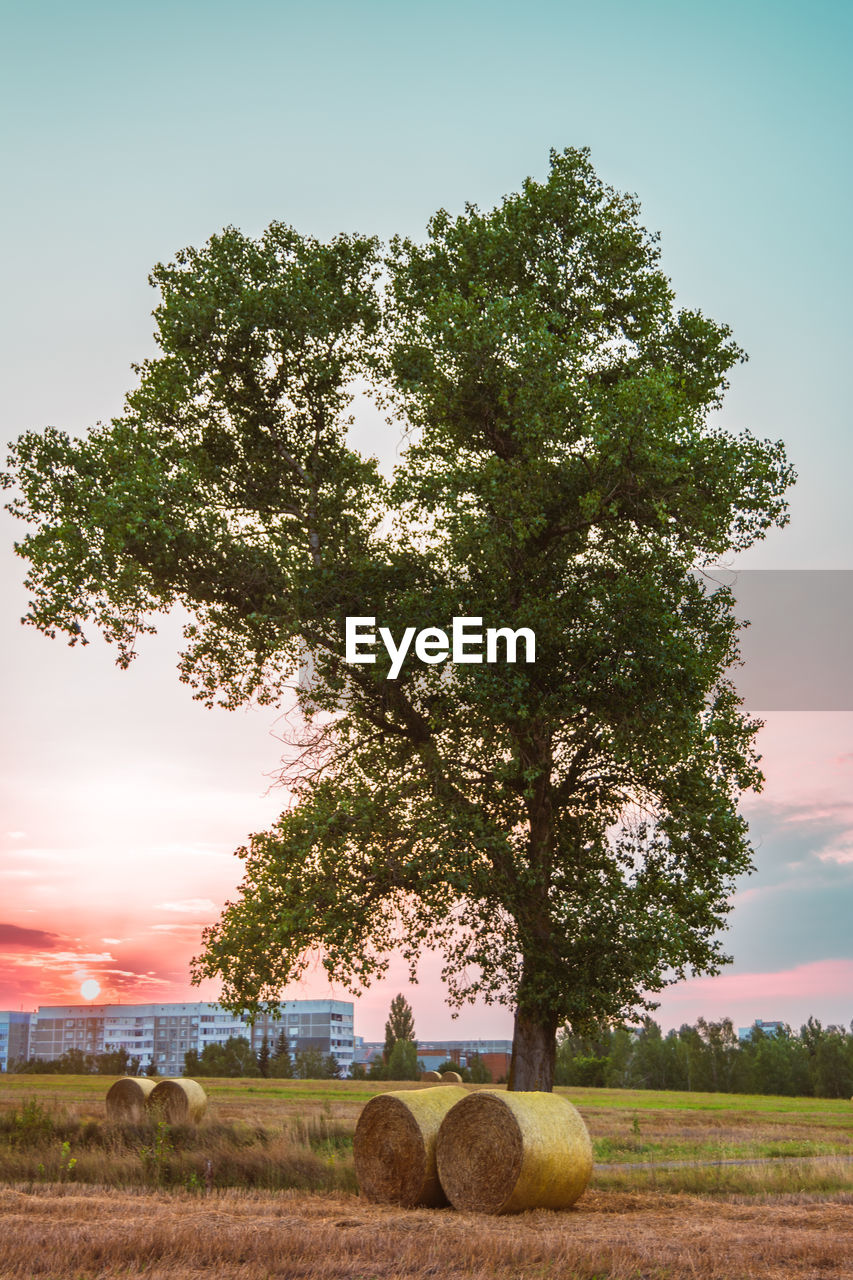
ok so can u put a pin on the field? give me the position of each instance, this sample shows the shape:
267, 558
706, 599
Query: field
686, 1185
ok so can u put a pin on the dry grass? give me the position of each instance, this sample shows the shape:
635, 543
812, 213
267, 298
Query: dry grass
788, 1219
40, 1145
85, 1234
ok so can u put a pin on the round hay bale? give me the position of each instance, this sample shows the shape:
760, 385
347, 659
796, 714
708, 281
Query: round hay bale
394, 1146
432, 1076
451, 1077
505, 1152
178, 1101
125, 1100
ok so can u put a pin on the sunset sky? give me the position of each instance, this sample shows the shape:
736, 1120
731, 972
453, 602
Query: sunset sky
123, 800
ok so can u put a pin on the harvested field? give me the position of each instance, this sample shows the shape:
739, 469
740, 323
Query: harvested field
89, 1234
264, 1187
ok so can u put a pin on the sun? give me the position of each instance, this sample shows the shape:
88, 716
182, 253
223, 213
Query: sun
89, 989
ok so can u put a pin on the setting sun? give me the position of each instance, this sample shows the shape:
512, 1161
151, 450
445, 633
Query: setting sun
89, 989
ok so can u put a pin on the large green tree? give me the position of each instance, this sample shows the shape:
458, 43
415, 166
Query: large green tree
564, 830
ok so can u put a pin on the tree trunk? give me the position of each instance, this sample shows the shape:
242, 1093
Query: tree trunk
534, 1052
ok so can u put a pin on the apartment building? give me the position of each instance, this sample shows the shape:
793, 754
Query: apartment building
14, 1037
163, 1033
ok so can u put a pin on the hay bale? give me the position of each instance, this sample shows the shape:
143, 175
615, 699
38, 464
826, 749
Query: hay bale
451, 1077
394, 1146
504, 1152
178, 1101
432, 1076
125, 1100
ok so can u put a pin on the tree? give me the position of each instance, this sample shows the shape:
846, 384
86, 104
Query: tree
331, 1067
479, 1072
309, 1064
722, 1043
118, 1062
564, 829
234, 1058
281, 1064
403, 1061
192, 1064
263, 1056
400, 1026
450, 1065
648, 1066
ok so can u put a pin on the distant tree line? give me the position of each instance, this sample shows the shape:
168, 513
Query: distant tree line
74, 1062
273, 1060
234, 1058
708, 1057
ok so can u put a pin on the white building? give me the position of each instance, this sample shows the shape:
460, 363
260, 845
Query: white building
14, 1037
769, 1029
164, 1033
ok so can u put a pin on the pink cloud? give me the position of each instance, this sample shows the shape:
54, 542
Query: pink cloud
821, 989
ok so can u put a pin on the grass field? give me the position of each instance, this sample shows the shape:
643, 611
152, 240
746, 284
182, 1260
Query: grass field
265, 1186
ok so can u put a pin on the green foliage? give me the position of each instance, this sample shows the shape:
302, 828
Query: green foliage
331, 1068
818, 1062
281, 1064
310, 1064
29, 1125
403, 1061
156, 1157
478, 1072
192, 1064
74, 1062
234, 1058
67, 1163
400, 1026
450, 1065
566, 832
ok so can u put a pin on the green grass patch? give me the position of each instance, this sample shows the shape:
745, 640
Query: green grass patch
631, 1150
673, 1100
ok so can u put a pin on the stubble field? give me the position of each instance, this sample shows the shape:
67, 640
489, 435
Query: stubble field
685, 1185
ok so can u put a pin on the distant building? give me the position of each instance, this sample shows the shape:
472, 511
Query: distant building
14, 1037
769, 1029
163, 1033
495, 1054
366, 1052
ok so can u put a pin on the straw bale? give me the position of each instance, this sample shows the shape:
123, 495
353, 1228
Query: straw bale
179, 1101
125, 1099
451, 1077
432, 1076
505, 1152
394, 1145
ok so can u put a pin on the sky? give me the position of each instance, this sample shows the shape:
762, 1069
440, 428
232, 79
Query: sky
130, 132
